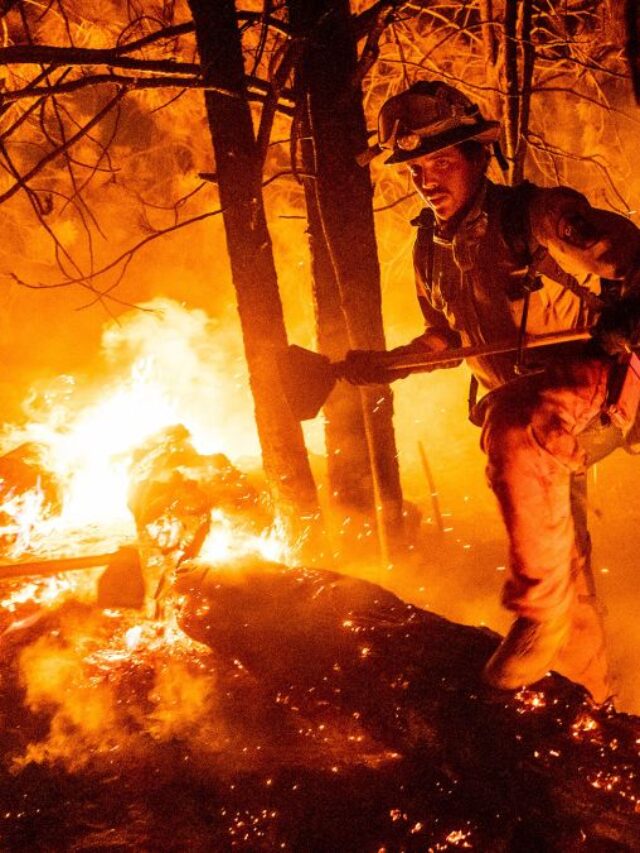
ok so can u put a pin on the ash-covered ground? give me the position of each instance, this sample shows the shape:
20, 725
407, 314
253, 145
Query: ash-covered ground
291, 709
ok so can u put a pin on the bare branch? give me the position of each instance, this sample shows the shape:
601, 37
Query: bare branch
54, 55
538, 141
395, 202
371, 49
370, 18
89, 80
257, 90
275, 24
52, 155
127, 256
163, 34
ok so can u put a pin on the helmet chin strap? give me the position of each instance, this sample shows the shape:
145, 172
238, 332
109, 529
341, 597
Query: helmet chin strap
500, 158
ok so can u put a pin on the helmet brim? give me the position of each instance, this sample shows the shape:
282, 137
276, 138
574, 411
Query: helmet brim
484, 131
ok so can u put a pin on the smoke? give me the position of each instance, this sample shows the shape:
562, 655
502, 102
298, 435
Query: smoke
182, 700
103, 698
84, 715
199, 364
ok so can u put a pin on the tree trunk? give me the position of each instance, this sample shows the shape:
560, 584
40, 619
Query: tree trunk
344, 196
519, 60
348, 464
632, 22
239, 178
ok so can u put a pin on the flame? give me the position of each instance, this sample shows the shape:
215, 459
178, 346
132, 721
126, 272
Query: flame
90, 456
42, 592
227, 542
94, 455
25, 514
165, 351
132, 637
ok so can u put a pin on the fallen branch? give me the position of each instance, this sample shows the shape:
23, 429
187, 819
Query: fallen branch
47, 568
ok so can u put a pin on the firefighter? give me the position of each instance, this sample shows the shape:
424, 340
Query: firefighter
491, 263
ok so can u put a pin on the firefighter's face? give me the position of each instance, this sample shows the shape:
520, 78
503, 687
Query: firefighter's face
448, 179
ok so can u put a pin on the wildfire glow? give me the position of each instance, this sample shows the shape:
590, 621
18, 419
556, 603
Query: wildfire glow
43, 591
95, 454
90, 456
227, 542
89, 445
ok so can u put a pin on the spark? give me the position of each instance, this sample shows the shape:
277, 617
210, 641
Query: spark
530, 700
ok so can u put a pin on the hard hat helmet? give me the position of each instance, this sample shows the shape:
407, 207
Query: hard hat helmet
427, 117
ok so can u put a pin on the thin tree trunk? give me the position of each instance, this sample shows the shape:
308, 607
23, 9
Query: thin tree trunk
519, 61
489, 31
344, 197
632, 25
348, 464
526, 82
239, 178
512, 99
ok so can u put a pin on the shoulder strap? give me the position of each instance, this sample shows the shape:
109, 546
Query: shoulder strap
425, 222
535, 257
543, 264
515, 220
425, 219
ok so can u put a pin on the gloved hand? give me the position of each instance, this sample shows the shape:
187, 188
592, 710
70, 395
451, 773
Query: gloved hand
618, 326
363, 367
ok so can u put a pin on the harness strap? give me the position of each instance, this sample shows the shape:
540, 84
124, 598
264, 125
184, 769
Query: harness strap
543, 264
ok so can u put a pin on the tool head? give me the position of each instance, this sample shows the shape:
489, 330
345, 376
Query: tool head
307, 379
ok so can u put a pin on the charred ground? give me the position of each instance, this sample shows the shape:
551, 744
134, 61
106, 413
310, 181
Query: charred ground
302, 710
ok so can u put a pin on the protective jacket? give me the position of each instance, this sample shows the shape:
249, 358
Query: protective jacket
473, 274
548, 254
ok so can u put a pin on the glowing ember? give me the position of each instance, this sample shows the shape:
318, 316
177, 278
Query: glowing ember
583, 725
459, 838
530, 700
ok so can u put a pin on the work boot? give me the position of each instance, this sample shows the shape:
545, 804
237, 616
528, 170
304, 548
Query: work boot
526, 653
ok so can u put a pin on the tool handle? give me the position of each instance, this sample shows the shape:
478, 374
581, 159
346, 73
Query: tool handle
429, 360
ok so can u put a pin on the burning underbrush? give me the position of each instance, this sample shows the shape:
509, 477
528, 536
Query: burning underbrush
108, 684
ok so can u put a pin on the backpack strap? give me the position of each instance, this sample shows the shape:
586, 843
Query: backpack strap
543, 264
536, 258
425, 222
